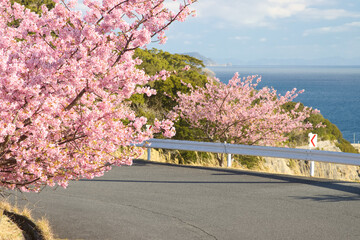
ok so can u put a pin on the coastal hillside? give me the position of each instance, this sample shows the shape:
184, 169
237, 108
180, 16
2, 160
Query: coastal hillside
330, 137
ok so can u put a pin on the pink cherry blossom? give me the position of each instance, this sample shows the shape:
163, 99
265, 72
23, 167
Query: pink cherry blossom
64, 88
237, 112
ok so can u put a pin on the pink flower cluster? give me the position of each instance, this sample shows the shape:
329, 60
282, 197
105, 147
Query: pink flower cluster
239, 113
64, 84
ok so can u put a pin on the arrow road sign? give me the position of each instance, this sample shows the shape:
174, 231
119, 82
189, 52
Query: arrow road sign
312, 140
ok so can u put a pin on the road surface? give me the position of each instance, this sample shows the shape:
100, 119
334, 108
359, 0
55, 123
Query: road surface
158, 201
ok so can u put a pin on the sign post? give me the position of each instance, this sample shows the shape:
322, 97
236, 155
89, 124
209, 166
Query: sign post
312, 145
148, 127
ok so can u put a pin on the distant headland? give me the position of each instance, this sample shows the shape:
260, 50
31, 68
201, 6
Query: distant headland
207, 61
333, 61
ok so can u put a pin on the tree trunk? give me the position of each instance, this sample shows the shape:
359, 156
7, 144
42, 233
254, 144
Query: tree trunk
220, 159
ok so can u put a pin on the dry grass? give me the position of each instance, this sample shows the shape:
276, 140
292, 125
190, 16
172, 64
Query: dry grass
159, 155
10, 231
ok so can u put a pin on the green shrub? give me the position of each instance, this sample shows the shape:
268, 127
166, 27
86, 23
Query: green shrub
345, 146
249, 162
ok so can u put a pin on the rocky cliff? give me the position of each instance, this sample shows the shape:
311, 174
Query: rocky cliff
322, 170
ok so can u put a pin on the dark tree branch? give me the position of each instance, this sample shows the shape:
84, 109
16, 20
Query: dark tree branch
117, 5
171, 20
75, 101
71, 139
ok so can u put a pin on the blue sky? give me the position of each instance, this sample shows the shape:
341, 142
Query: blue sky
249, 30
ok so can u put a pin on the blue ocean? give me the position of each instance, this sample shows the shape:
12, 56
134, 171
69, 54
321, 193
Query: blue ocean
334, 90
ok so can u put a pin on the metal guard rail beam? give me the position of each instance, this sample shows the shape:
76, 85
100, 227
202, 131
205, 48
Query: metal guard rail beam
279, 152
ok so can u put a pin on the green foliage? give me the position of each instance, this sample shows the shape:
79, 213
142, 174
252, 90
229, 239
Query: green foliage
153, 61
186, 132
291, 105
189, 157
186, 157
35, 5
157, 106
345, 146
249, 161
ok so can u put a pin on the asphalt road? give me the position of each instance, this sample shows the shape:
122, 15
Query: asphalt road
157, 201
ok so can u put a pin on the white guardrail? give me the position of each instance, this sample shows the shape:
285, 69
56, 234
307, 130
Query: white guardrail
278, 152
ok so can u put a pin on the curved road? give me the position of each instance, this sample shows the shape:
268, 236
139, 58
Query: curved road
158, 201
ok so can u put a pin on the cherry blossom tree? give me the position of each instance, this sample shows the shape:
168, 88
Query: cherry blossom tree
239, 113
64, 84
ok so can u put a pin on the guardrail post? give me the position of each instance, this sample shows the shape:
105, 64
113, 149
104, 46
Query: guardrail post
149, 153
312, 168
229, 160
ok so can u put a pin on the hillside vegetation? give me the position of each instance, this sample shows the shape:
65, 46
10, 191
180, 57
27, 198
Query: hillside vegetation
159, 105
